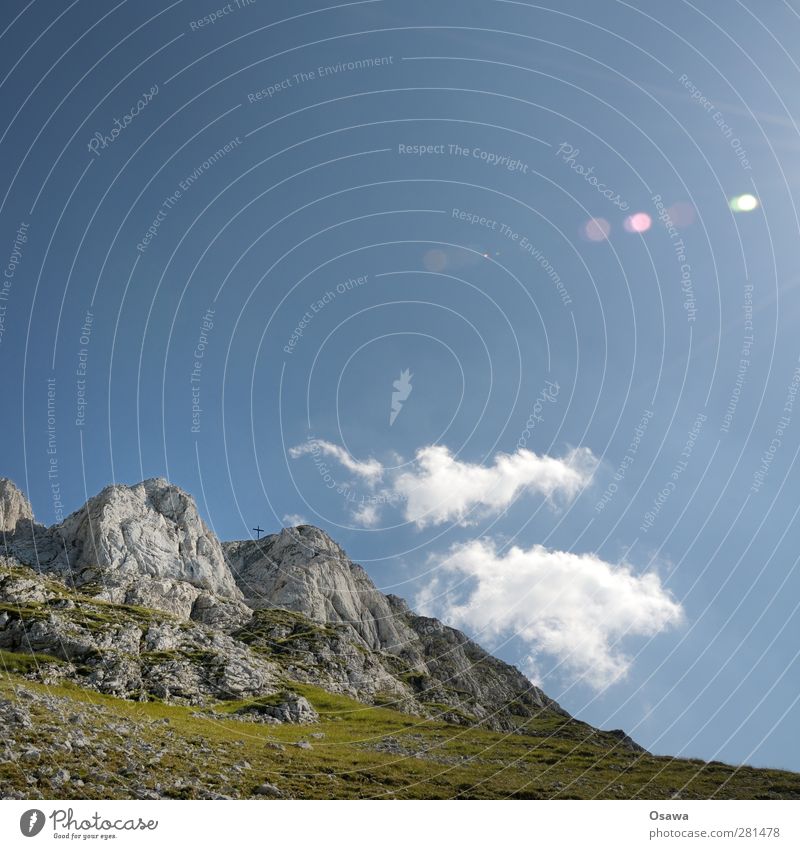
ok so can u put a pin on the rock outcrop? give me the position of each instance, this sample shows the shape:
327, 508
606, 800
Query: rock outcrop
144, 545
151, 530
304, 570
14, 506
136, 653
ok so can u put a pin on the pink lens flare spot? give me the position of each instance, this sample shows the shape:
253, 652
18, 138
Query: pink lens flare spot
597, 229
639, 222
682, 213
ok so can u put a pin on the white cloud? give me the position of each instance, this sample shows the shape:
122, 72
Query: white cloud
371, 470
440, 488
291, 520
575, 607
368, 515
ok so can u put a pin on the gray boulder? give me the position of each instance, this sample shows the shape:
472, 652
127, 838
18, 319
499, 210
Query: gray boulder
285, 707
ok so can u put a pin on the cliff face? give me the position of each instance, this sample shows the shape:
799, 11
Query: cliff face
144, 545
421, 660
304, 570
148, 531
14, 506
139, 598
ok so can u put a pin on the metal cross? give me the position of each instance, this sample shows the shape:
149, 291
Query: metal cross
258, 531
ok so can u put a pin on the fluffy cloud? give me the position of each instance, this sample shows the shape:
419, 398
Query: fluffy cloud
576, 608
371, 470
368, 515
437, 487
291, 520
440, 488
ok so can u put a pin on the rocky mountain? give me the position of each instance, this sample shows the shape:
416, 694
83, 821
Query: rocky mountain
142, 658
373, 646
303, 569
144, 544
133, 595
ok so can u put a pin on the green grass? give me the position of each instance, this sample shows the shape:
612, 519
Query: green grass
556, 757
24, 611
563, 759
263, 631
441, 709
14, 662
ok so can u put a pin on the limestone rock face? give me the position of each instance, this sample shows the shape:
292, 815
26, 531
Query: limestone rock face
14, 506
23, 537
413, 660
304, 570
121, 650
462, 674
331, 656
144, 545
150, 530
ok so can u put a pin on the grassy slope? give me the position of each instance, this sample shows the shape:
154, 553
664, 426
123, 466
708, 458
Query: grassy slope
436, 760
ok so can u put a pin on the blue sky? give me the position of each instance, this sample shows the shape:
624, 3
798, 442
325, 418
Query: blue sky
591, 462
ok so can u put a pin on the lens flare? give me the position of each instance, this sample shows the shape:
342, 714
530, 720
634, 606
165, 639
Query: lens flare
639, 222
682, 213
435, 260
596, 229
744, 203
